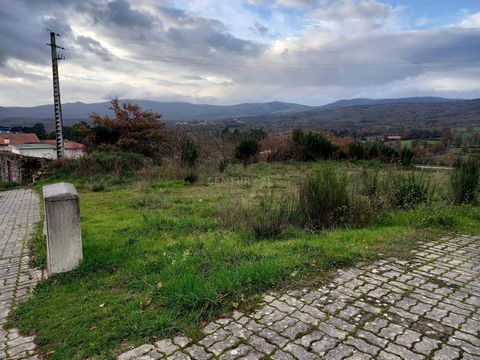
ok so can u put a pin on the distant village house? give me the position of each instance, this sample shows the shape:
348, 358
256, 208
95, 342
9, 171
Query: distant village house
22, 155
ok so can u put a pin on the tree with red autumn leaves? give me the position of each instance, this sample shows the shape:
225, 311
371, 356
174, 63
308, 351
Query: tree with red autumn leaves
131, 129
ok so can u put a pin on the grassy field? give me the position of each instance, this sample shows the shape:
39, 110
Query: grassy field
161, 257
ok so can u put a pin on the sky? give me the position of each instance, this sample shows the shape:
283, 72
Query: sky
225, 52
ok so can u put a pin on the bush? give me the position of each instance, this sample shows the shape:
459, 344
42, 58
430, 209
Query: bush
464, 181
190, 153
411, 190
370, 182
272, 217
356, 151
322, 201
246, 150
406, 156
222, 165
311, 146
191, 178
99, 187
118, 162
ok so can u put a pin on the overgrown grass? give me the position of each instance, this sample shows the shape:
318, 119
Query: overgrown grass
465, 181
158, 259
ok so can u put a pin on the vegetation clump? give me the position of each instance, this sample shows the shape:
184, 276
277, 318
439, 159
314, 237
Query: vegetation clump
246, 150
311, 146
323, 201
190, 153
465, 179
411, 190
131, 129
406, 156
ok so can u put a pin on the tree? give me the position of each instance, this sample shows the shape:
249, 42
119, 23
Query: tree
37, 129
246, 149
315, 147
132, 129
190, 153
311, 146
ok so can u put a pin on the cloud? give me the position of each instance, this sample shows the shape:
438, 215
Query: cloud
259, 29
118, 13
353, 16
471, 21
291, 50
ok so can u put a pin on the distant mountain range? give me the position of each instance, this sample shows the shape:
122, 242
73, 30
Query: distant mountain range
410, 100
187, 112
382, 117
171, 111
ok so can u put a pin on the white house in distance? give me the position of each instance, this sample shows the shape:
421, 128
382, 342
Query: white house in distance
30, 146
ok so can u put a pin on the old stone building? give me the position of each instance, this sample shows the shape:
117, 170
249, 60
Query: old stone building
17, 168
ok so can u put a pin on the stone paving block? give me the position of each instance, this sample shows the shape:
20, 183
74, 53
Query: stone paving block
198, 352
325, 344
237, 352
299, 352
137, 352
446, 353
19, 214
222, 345
166, 346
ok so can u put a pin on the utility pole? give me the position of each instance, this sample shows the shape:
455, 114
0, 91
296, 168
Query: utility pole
56, 95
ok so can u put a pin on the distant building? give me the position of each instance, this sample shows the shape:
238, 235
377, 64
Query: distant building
23, 155
73, 150
393, 138
6, 140
29, 145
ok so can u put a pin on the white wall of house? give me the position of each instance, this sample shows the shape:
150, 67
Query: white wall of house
44, 151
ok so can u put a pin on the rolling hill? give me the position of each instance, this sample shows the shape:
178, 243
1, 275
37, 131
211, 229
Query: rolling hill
171, 111
420, 112
422, 115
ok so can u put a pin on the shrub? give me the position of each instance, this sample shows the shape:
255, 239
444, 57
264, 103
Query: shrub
361, 210
191, 178
99, 187
370, 182
406, 156
246, 150
315, 147
464, 181
8, 185
222, 165
322, 201
411, 190
311, 146
118, 162
272, 217
190, 153
356, 151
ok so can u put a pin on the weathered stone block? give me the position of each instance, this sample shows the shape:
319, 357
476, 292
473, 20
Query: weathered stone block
62, 224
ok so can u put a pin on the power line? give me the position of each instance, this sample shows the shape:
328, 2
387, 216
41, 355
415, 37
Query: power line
203, 61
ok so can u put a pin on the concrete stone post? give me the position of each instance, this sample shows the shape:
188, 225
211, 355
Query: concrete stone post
62, 227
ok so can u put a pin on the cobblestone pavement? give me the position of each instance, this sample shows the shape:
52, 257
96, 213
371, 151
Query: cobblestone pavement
427, 308
19, 214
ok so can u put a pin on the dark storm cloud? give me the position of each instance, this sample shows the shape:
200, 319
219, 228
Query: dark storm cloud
259, 29
91, 45
186, 30
118, 13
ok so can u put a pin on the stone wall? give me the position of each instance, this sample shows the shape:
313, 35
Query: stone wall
18, 168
